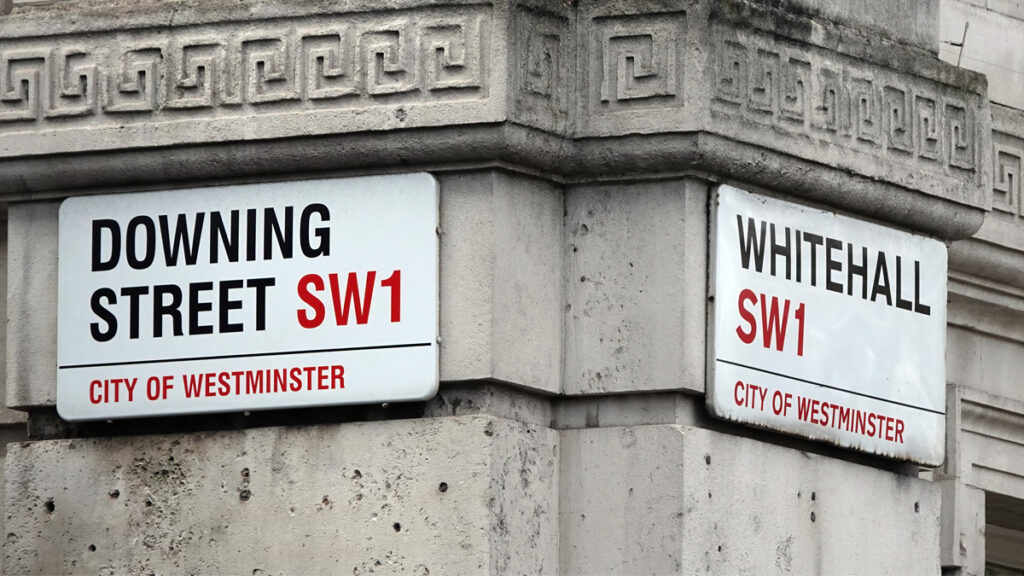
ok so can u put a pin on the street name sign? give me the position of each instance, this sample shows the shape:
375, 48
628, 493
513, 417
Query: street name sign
827, 327
249, 297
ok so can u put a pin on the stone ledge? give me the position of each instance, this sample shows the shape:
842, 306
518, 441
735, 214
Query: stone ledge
504, 145
175, 93
986, 307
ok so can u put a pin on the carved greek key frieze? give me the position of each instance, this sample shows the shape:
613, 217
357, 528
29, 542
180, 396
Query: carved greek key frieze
543, 74
21, 73
898, 126
134, 83
637, 60
75, 91
345, 60
328, 65
195, 73
637, 66
453, 55
851, 103
1008, 168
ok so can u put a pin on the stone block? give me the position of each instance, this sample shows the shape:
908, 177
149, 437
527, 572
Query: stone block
914, 22
7, 416
988, 447
464, 495
994, 46
984, 362
963, 527
32, 304
636, 288
676, 500
1011, 8
501, 266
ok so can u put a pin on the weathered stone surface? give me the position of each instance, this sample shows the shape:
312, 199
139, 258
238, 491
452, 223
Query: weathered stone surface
993, 45
7, 416
317, 67
914, 22
635, 313
343, 499
996, 252
679, 500
985, 447
501, 273
963, 527
985, 362
786, 85
32, 304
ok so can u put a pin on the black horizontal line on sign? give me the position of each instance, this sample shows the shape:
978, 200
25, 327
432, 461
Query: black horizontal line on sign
252, 355
880, 399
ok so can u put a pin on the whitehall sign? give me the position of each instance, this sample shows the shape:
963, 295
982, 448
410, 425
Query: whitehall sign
827, 327
248, 297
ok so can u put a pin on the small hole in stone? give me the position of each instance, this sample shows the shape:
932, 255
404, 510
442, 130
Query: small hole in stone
812, 517
709, 495
397, 527
814, 495
115, 493
917, 506
357, 475
50, 506
707, 459
244, 495
719, 548
92, 547
149, 502
443, 486
245, 472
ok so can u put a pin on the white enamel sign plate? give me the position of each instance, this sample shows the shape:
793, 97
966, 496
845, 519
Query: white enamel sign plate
249, 297
827, 327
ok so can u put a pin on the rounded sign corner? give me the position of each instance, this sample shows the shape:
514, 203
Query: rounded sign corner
62, 412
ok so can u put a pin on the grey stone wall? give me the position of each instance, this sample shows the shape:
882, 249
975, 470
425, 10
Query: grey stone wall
575, 144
